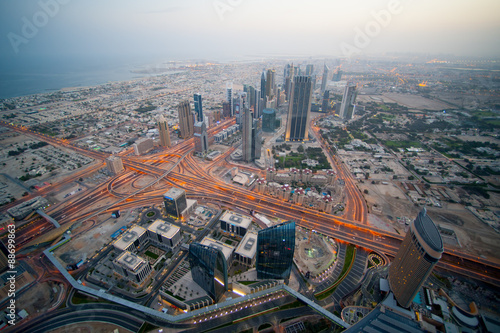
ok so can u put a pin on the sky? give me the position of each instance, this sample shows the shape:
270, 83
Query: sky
226, 29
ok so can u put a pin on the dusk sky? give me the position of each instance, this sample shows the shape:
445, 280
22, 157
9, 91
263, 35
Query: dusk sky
223, 29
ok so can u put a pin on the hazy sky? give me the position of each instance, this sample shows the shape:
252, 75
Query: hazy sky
221, 29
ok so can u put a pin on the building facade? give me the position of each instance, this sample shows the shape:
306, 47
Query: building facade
132, 267
275, 249
209, 269
142, 146
198, 107
235, 223
163, 130
114, 164
348, 100
186, 120
420, 251
200, 138
175, 202
269, 120
299, 109
324, 79
164, 235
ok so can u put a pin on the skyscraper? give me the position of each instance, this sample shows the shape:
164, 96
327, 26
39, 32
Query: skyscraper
420, 251
163, 130
251, 137
175, 201
275, 249
198, 107
114, 164
226, 109
200, 138
209, 269
325, 106
348, 100
229, 97
186, 121
309, 69
299, 109
270, 84
324, 80
268, 120
263, 85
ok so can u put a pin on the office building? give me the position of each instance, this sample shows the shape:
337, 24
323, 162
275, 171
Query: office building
337, 76
198, 107
270, 92
234, 223
226, 249
175, 202
163, 130
324, 79
209, 269
325, 106
275, 249
132, 267
143, 146
348, 100
263, 85
226, 109
299, 109
229, 98
269, 120
309, 69
164, 235
245, 252
251, 137
131, 240
200, 138
420, 251
186, 120
114, 164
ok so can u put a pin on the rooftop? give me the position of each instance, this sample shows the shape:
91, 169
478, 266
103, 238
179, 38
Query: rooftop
174, 193
129, 237
226, 249
163, 228
428, 230
248, 245
130, 260
236, 219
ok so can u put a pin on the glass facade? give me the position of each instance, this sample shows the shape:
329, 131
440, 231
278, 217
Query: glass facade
299, 109
209, 269
268, 120
275, 249
175, 206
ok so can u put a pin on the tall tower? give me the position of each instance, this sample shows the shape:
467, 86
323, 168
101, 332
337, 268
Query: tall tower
186, 121
229, 97
420, 251
163, 129
325, 106
209, 269
299, 109
263, 85
324, 79
200, 138
348, 100
275, 249
246, 135
270, 84
198, 108
309, 69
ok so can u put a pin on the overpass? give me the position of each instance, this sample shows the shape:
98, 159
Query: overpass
48, 218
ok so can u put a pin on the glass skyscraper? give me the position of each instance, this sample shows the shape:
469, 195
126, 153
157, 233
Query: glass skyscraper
209, 269
198, 107
299, 109
175, 202
275, 249
268, 120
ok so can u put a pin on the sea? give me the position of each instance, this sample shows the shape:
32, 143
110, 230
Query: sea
24, 75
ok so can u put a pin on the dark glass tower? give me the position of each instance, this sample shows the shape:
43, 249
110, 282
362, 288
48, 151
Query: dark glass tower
299, 109
275, 249
209, 269
175, 202
268, 120
420, 251
198, 107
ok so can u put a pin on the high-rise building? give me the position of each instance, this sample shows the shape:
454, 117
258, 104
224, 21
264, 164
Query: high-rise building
275, 249
114, 164
420, 251
209, 269
270, 84
263, 85
251, 137
325, 106
132, 267
200, 138
142, 146
299, 109
175, 202
324, 79
163, 130
348, 100
198, 107
309, 69
337, 75
186, 120
226, 109
229, 97
268, 120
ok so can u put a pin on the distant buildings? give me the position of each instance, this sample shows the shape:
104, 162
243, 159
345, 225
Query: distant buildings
186, 120
324, 79
299, 109
325, 106
200, 138
348, 100
275, 249
198, 107
175, 202
309, 69
114, 164
420, 251
269, 120
163, 130
337, 75
209, 269
142, 146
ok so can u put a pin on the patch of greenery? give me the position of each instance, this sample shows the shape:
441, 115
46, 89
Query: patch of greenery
151, 254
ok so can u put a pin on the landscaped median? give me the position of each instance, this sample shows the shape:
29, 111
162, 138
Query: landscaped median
350, 255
